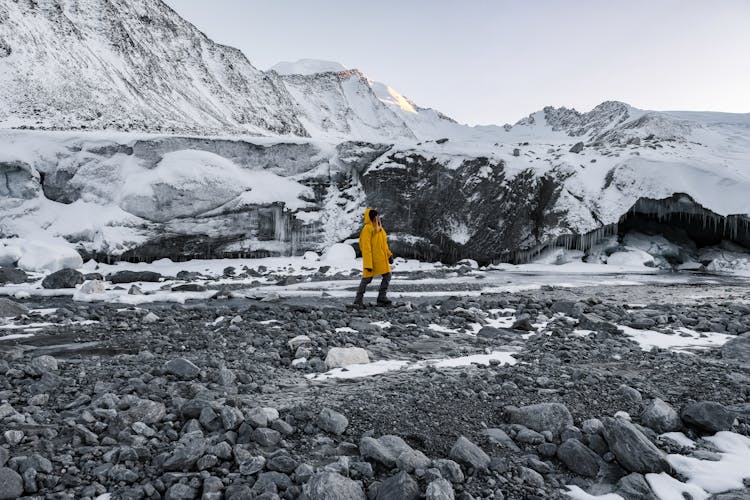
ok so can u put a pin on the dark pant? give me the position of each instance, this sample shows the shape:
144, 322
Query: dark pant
366, 281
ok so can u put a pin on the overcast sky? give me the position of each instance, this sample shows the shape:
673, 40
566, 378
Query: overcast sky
487, 61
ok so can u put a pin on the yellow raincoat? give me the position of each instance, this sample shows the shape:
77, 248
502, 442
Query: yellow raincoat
374, 246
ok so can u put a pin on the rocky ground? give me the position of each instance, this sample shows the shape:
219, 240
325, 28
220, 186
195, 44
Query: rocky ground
221, 398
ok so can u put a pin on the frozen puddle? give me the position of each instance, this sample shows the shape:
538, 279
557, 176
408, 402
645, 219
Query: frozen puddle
683, 339
703, 477
384, 366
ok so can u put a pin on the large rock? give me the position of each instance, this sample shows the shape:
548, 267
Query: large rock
708, 416
182, 368
10, 309
634, 487
578, 458
64, 278
338, 357
191, 447
385, 450
12, 275
144, 410
553, 417
134, 276
466, 452
332, 486
399, 487
11, 484
631, 448
737, 349
661, 417
91, 287
440, 489
332, 421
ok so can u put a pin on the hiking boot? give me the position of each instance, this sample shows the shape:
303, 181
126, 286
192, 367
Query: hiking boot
385, 302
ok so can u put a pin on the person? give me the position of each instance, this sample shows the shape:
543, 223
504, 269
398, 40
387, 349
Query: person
376, 258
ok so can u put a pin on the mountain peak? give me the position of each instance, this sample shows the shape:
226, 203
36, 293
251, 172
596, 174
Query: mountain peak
307, 67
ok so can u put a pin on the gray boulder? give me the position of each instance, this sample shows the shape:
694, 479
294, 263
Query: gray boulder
182, 368
64, 278
134, 276
332, 486
332, 421
631, 448
11, 484
399, 487
634, 487
708, 416
577, 147
12, 275
541, 417
10, 309
266, 437
466, 452
191, 447
737, 349
385, 450
440, 489
578, 458
43, 364
411, 460
180, 491
661, 417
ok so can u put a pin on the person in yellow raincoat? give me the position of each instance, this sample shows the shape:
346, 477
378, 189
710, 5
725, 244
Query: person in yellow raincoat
376, 258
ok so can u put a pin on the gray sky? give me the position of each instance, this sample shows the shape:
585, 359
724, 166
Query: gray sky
485, 61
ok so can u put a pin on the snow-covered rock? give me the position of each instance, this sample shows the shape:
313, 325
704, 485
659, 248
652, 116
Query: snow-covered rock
39, 255
340, 255
339, 357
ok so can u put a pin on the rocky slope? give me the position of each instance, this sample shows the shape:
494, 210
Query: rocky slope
225, 398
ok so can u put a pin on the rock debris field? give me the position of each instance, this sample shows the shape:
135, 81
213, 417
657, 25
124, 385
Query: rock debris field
632, 392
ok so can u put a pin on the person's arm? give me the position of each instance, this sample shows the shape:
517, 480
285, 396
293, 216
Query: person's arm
388, 252
365, 246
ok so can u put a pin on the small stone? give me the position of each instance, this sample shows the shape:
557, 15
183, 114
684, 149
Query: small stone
399, 487
266, 437
179, 491
11, 484
412, 460
150, 318
92, 287
13, 437
440, 489
339, 357
10, 309
384, 450
633, 396
634, 487
42, 364
332, 421
332, 486
553, 417
578, 458
466, 452
182, 368
532, 477
661, 417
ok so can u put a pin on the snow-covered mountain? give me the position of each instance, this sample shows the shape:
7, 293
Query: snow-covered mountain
129, 65
333, 141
